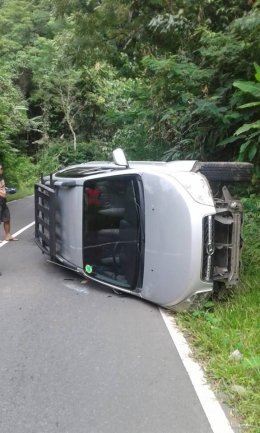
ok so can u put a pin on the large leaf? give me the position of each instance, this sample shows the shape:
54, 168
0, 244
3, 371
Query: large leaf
248, 87
252, 151
244, 146
257, 76
227, 141
250, 104
257, 67
247, 126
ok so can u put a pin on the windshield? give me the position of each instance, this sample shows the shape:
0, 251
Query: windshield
112, 230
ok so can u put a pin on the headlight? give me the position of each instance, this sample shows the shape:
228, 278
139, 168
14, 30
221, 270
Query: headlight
197, 186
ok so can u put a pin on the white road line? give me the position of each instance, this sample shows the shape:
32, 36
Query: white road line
213, 410
17, 233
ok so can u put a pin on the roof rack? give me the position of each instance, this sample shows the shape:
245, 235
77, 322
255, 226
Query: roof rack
83, 171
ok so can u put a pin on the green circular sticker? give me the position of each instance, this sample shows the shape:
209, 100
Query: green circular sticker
88, 269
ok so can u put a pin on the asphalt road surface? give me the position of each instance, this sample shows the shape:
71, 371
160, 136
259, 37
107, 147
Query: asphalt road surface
77, 358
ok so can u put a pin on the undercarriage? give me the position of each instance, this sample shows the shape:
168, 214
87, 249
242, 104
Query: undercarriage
223, 241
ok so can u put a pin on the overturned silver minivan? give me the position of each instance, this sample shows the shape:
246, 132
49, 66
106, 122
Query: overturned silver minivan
168, 232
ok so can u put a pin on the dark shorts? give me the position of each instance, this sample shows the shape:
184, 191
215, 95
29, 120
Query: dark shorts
4, 214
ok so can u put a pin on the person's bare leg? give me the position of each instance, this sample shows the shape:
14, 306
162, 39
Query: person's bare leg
8, 236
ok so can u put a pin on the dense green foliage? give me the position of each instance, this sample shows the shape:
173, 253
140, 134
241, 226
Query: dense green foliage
161, 79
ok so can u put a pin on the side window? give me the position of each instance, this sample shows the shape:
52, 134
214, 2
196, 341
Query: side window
111, 230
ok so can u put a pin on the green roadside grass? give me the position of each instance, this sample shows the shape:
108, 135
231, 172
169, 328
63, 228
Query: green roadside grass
230, 325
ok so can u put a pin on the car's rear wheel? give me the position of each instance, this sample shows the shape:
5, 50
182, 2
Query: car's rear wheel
225, 171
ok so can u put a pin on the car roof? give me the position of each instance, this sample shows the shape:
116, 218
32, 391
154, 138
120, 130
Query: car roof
98, 167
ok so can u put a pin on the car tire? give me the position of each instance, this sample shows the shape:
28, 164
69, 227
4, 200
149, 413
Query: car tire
225, 171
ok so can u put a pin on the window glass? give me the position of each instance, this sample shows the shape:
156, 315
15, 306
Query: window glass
111, 230
78, 172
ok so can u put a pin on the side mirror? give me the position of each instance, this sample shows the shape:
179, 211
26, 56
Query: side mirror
119, 158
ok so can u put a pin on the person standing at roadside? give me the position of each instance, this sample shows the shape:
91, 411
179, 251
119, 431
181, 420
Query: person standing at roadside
4, 210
